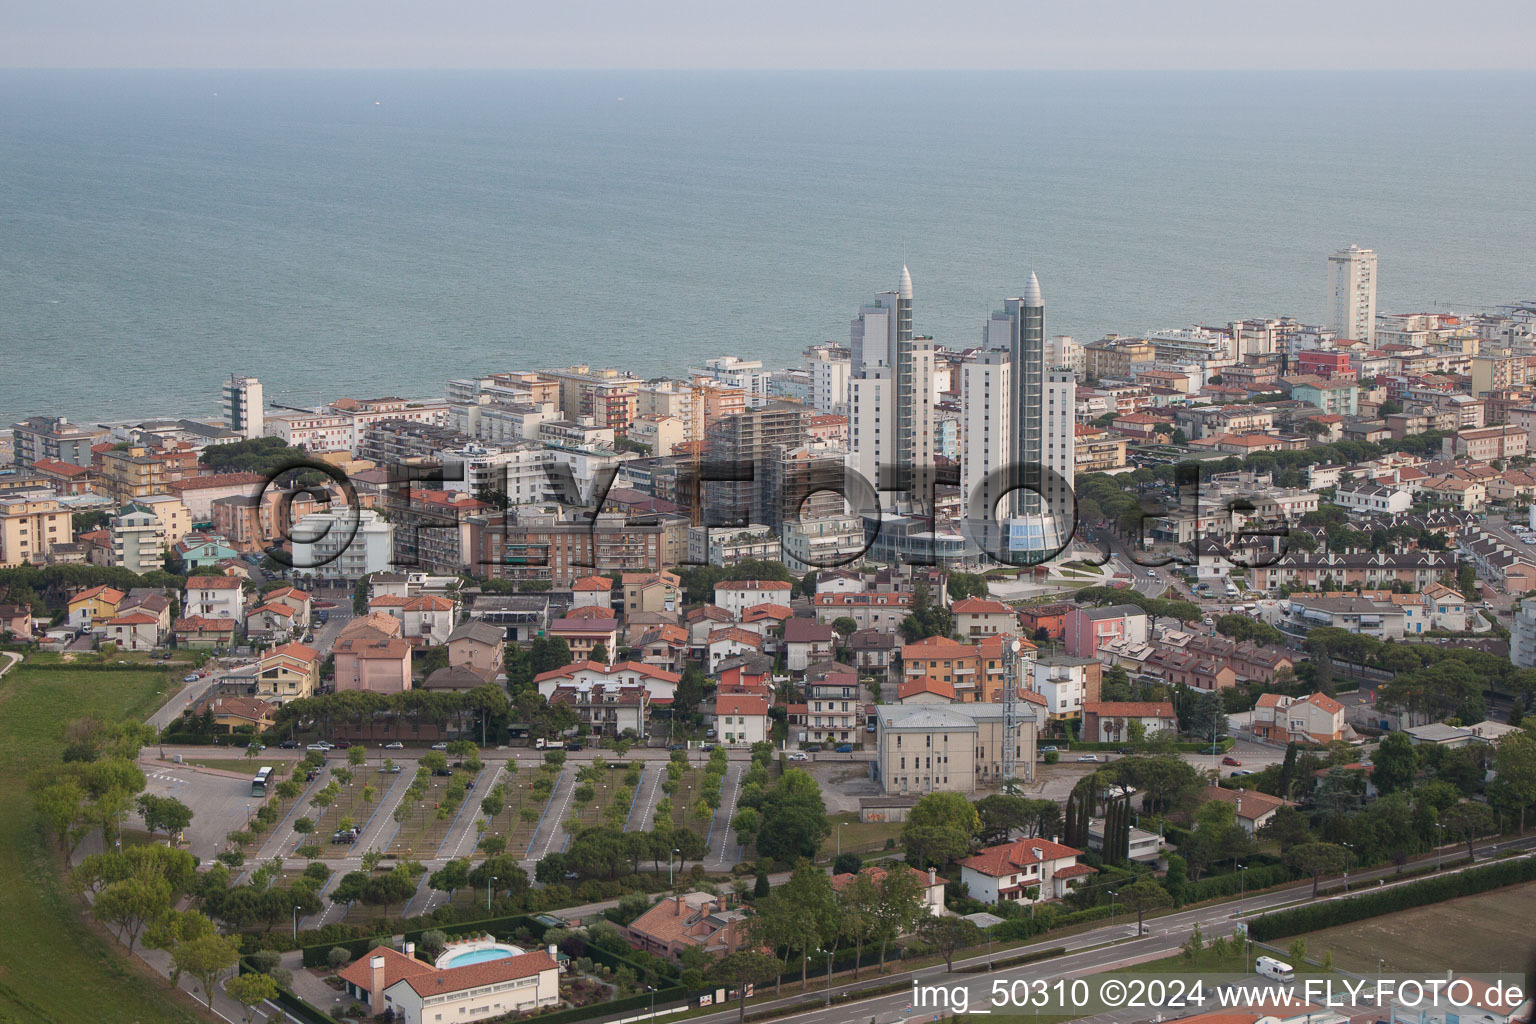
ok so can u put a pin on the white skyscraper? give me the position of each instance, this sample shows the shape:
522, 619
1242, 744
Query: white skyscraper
986, 432
1352, 294
889, 395
1041, 410
243, 405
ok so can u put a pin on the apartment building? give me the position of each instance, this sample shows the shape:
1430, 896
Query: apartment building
30, 527
956, 748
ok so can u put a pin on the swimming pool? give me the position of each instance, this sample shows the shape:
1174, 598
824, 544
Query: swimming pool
476, 951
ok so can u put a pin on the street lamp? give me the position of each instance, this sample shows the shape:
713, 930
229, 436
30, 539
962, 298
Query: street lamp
839, 839
489, 886
295, 923
669, 867
1349, 862
1242, 886
829, 977
652, 990
1112, 895
1439, 846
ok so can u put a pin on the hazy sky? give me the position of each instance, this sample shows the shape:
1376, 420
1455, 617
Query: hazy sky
890, 34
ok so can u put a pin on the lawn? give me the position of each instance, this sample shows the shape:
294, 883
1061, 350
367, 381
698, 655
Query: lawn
42, 937
1472, 934
688, 789
858, 836
355, 801
245, 766
510, 823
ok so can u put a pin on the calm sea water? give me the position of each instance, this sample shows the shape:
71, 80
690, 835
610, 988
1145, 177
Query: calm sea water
375, 233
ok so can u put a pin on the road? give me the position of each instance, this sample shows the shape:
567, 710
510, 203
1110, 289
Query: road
724, 851
1109, 946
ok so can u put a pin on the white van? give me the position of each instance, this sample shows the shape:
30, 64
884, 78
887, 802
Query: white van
1269, 967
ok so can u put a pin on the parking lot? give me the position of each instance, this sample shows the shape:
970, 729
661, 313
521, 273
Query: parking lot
221, 801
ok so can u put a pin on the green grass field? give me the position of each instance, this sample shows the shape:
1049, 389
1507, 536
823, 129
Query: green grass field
857, 836
53, 968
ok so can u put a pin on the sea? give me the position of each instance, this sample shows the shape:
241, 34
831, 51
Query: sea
377, 233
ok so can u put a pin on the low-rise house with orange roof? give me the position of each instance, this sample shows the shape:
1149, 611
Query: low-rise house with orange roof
749, 674
375, 663
1023, 871
736, 596
197, 632
231, 713
272, 621
741, 719
1111, 721
289, 672
66, 477
1253, 809
414, 992
933, 885
730, 642
133, 631
592, 592
16, 620
664, 646
214, 597
659, 591
767, 620
875, 609
583, 675
94, 603
947, 661
296, 599
976, 617
924, 690
1050, 617
478, 646
702, 621
428, 618
1316, 718
694, 920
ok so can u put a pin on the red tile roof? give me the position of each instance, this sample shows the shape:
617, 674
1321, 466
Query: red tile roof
1008, 858
197, 622
592, 584
980, 606
1130, 708
925, 684
740, 704
212, 583
875, 873
752, 585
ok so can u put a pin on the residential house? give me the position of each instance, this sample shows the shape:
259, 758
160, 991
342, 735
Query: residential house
1382, 620
1066, 683
94, 603
202, 550
695, 920
428, 618
1112, 721
477, 646
1086, 629
736, 596
1254, 809
924, 690
195, 631
272, 621
410, 991
297, 600
16, 620
289, 672
236, 712
1023, 871
665, 647
933, 885
651, 591
741, 719
592, 592
955, 748
731, 642
832, 708
807, 641
1316, 718
947, 661
1050, 617
1193, 668
583, 675
607, 711
371, 654
585, 635
976, 617
214, 597
883, 610
133, 631
872, 651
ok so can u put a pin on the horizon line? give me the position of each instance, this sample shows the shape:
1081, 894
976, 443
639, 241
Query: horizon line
570, 69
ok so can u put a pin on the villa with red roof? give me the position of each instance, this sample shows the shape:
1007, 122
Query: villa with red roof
741, 719
385, 980
1109, 721
1023, 871
583, 675
925, 690
933, 885
736, 596
592, 592
1316, 718
731, 642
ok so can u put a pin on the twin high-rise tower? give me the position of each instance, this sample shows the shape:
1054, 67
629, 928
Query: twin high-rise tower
1017, 420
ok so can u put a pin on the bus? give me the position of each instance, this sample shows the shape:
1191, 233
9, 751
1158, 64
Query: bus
259, 783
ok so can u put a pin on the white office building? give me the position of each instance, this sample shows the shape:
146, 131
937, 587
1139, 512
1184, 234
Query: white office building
342, 543
1352, 294
746, 374
890, 408
986, 434
243, 405
517, 471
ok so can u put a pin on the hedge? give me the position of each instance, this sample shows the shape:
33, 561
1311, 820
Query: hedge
1192, 747
1013, 961
1316, 916
1233, 883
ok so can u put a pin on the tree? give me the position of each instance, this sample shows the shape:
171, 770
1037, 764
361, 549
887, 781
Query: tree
1468, 821
1395, 762
1288, 827
250, 991
844, 625
132, 903
742, 970
599, 653
813, 911
794, 819
206, 958
941, 827
847, 864
164, 813
898, 908
1514, 787
856, 907
1143, 895
948, 934
1317, 860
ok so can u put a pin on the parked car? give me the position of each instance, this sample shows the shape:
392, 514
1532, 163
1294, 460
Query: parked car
1230, 760
1214, 748
678, 746
1048, 750
573, 745
709, 734
1089, 758
311, 775
439, 746
813, 747
397, 745
444, 772
344, 835
798, 755
343, 744
191, 678
390, 769
707, 747
844, 748
309, 638
318, 748
289, 744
